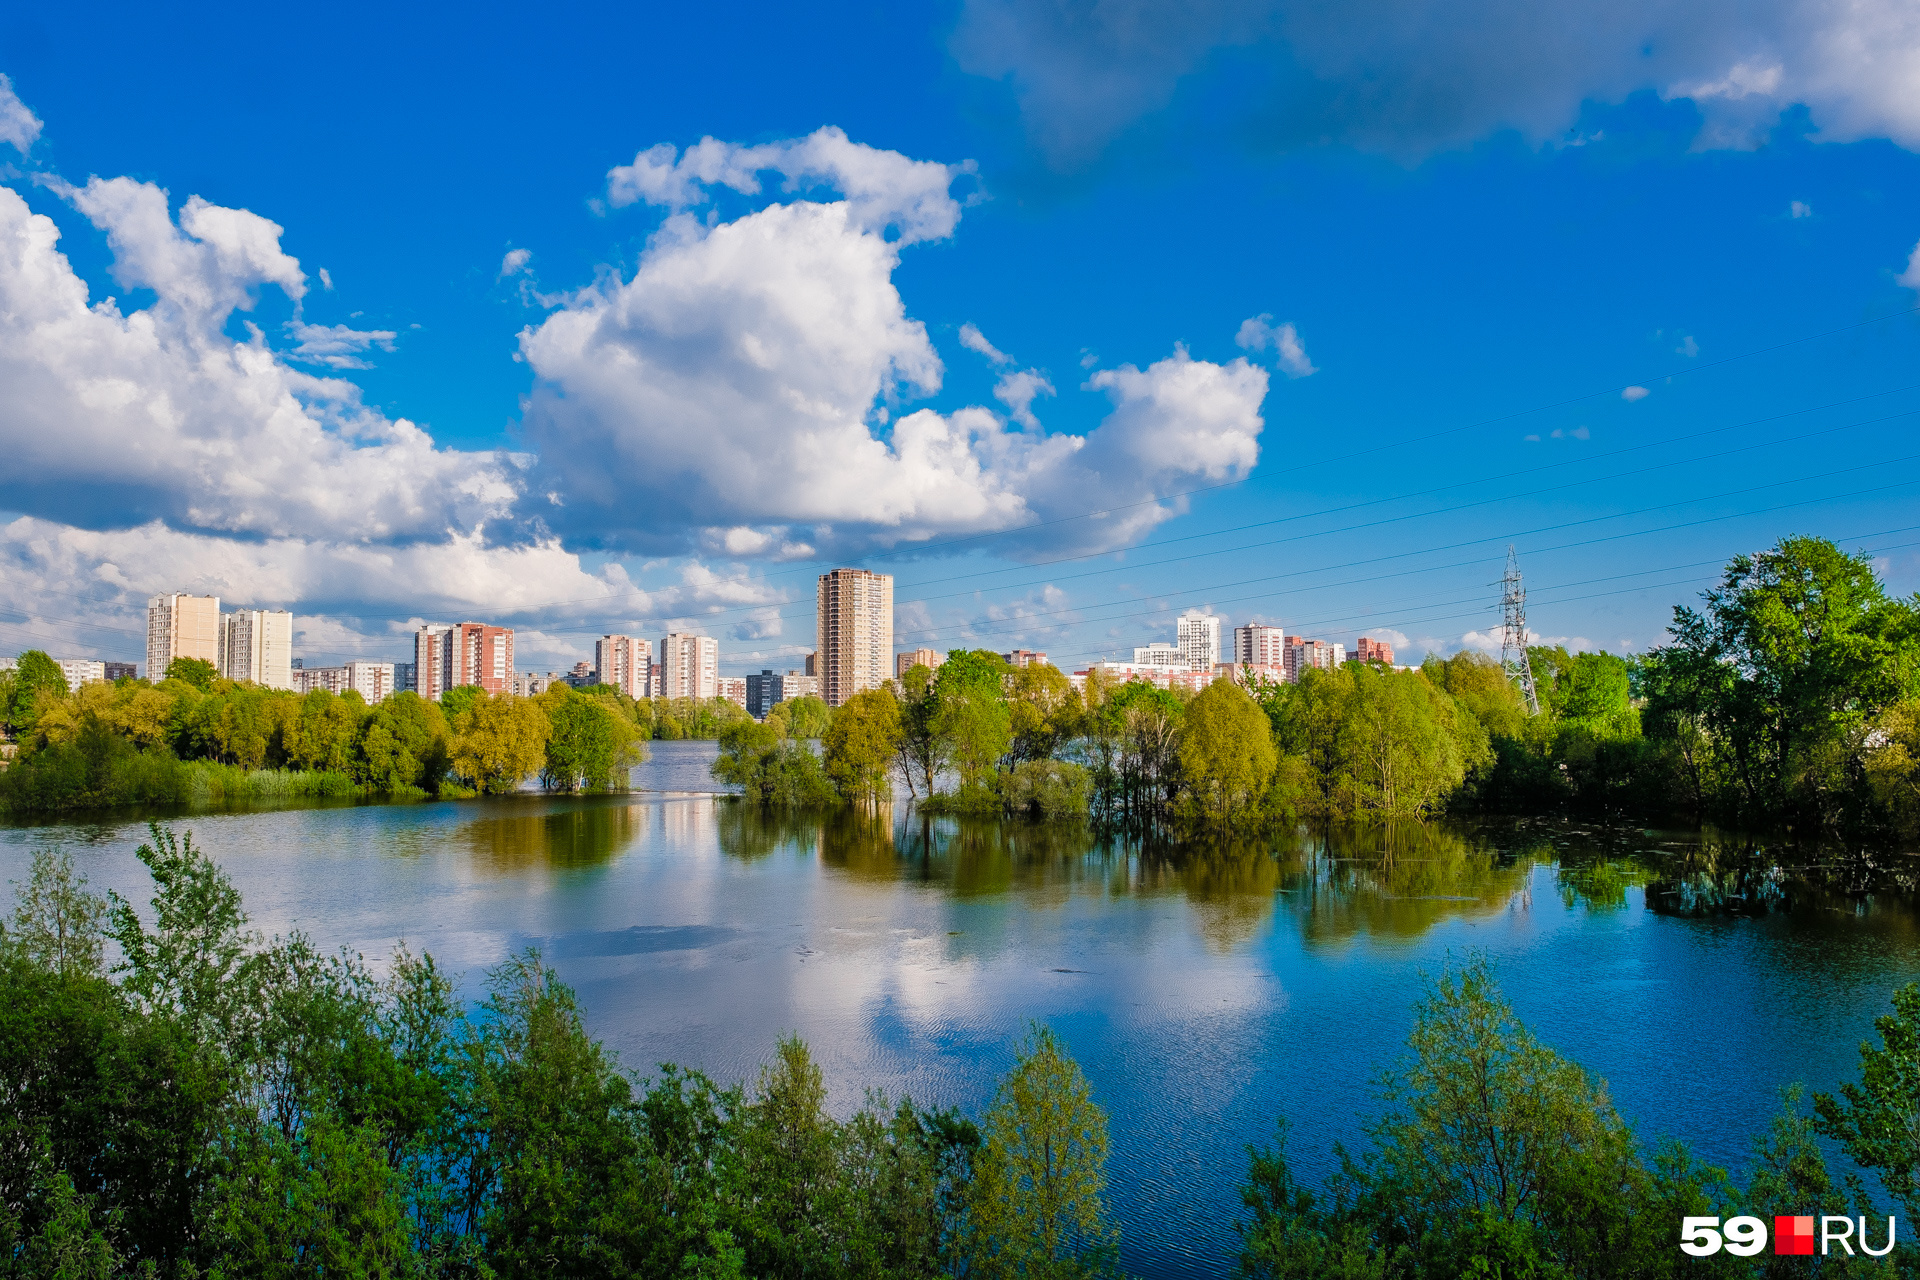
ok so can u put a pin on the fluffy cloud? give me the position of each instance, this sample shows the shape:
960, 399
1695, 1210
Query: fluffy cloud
1017, 392
18, 126
1417, 76
114, 417
749, 373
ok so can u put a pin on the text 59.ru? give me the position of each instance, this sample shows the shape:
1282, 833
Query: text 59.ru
1745, 1236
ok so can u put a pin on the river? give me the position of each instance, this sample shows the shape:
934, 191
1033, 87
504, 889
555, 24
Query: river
1204, 991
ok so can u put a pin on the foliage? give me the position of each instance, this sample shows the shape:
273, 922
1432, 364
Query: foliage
1037, 1206
807, 716
591, 742
1226, 753
1052, 789
1776, 682
1877, 1121
56, 923
498, 741
197, 672
860, 744
772, 770
34, 673
972, 717
676, 719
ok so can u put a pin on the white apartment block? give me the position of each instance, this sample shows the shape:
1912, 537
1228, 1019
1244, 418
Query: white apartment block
79, 671
1259, 646
1198, 636
798, 684
257, 645
181, 626
854, 630
1158, 656
732, 688
373, 681
690, 667
624, 662
1303, 655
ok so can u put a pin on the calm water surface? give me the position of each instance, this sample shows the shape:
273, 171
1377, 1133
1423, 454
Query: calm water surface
1205, 992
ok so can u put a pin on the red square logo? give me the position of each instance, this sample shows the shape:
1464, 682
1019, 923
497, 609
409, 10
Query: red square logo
1793, 1235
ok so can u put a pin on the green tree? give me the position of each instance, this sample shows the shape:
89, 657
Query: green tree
1037, 1205
323, 732
1789, 661
922, 749
772, 770
860, 745
1877, 1121
498, 741
1226, 752
199, 961
590, 743
34, 673
807, 717
403, 743
197, 672
973, 720
56, 922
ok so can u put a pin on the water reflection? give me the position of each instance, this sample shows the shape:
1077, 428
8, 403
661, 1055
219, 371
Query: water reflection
579, 834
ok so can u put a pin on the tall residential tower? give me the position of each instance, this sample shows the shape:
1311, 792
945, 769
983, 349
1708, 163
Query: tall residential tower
854, 632
181, 626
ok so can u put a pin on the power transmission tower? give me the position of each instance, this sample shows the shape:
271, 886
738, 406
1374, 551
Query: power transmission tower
1513, 633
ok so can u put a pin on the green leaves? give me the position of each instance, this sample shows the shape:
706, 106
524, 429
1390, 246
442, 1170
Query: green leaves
1877, 1121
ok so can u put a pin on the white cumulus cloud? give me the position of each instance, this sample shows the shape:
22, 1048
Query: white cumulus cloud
1017, 390
739, 379
116, 417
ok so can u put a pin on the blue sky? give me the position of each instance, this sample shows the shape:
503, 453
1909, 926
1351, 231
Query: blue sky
556, 379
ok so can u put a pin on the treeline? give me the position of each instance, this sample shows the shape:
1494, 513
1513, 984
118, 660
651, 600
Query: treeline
1789, 701
219, 1104
194, 737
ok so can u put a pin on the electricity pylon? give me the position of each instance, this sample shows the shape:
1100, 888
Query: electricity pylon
1513, 633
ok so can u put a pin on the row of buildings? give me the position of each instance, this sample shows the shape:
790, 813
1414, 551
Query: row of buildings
853, 651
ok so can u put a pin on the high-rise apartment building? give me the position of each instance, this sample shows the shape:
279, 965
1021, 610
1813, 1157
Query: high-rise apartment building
732, 688
625, 663
689, 667
181, 626
403, 677
798, 684
117, 669
471, 653
854, 652
1259, 646
1024, 658
928, 658
1370, 650
257, 645
1198, 636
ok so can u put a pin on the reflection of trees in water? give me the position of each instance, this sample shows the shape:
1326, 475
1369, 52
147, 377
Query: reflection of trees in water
575, 836
1043, 860
1719, 873
751, 831
1399, 878
1231, 884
